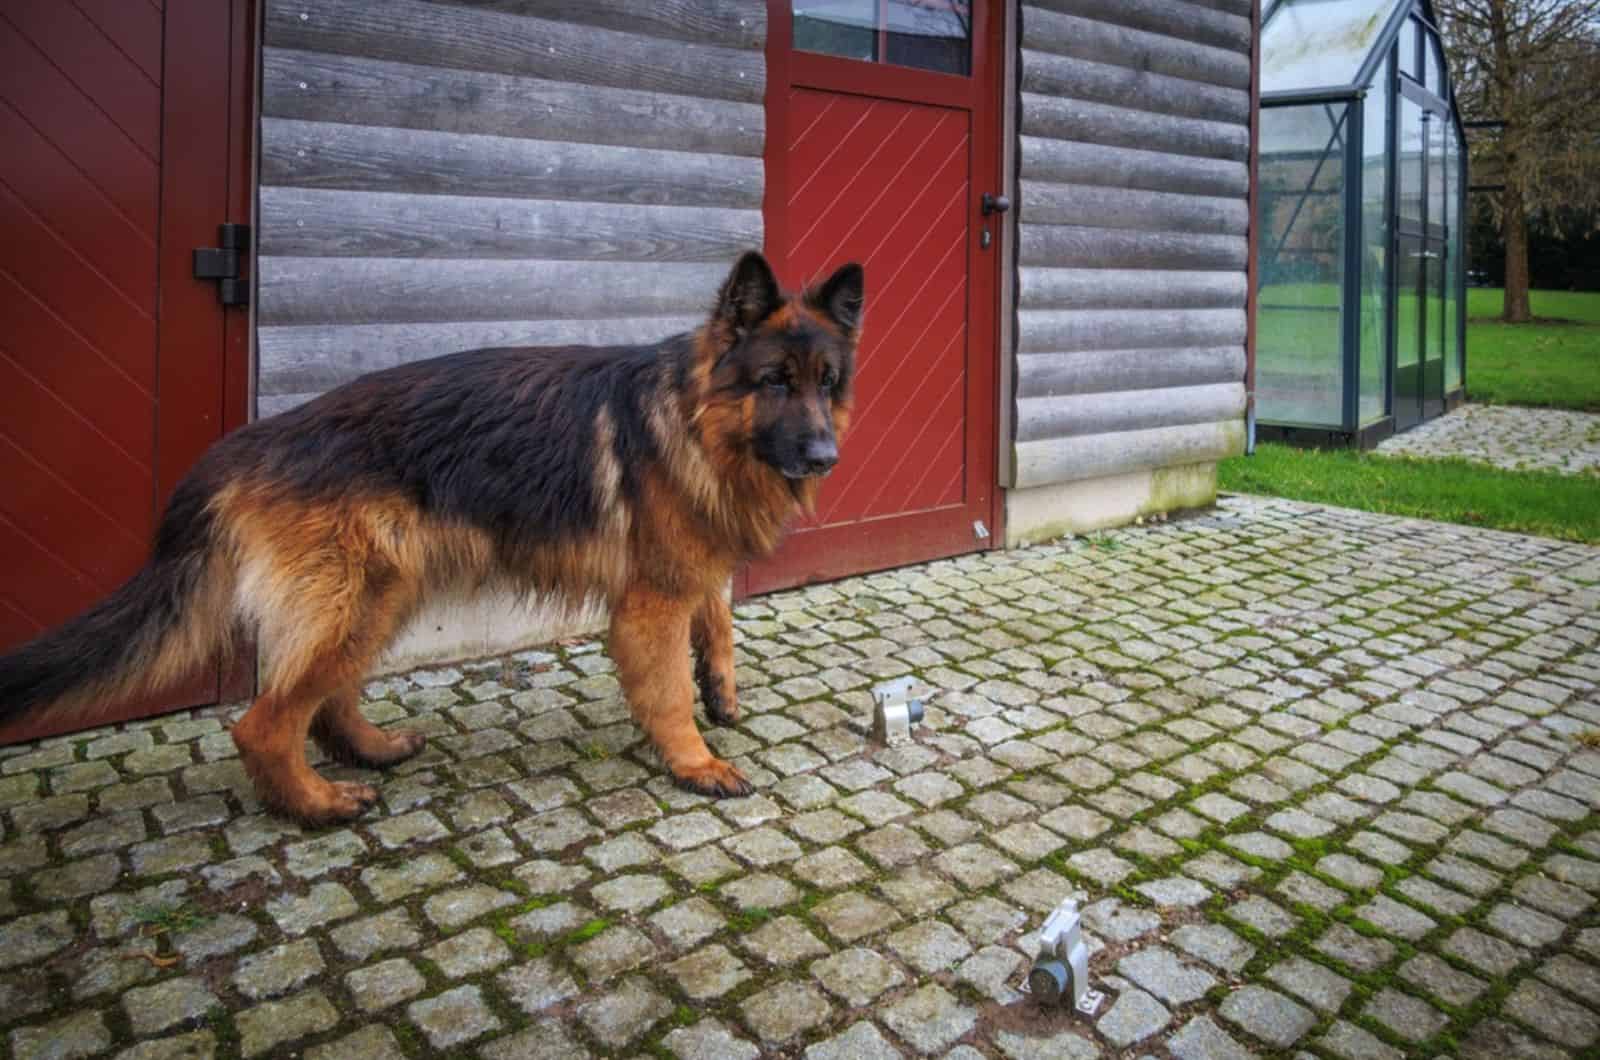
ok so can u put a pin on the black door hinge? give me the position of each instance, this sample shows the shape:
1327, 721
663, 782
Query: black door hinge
223, 263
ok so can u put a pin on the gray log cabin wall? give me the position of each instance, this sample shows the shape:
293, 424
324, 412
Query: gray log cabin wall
1132, 223
438, 176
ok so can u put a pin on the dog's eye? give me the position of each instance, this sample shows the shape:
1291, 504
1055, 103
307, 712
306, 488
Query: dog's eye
830, 379
775, 381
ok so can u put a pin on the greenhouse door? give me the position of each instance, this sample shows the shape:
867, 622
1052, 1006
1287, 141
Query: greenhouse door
1422, 261
1419, 339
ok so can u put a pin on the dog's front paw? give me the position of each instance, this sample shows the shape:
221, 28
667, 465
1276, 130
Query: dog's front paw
322, 803
714, 777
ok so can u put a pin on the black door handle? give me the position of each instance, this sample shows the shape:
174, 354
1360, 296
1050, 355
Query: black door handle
995, 204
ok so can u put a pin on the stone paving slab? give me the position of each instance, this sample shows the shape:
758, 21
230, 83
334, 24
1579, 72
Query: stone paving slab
1324, 781
1507, 436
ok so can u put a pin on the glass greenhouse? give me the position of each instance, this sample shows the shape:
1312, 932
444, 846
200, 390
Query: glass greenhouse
1361, 305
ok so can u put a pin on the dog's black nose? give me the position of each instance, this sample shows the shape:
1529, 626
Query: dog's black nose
820, 455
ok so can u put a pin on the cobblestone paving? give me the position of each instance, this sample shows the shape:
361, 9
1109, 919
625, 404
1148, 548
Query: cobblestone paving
1512, 437
1320, 776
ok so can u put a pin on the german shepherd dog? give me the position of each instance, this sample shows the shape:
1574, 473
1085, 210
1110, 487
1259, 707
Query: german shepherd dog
638, 475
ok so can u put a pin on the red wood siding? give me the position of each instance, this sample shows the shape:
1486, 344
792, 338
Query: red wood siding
117, 367
82, 120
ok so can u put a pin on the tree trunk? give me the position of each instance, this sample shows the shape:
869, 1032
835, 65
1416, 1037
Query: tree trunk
1515, 309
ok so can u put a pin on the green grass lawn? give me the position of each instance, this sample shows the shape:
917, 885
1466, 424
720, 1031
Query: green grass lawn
1453, 491
1554, 362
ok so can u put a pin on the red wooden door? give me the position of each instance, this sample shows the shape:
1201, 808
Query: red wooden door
126, 124
881, 141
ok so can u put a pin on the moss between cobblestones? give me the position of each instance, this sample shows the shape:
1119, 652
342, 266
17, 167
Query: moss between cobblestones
1490, 1002
157, 919
220, 1022
23, 893
1305, 855
459, 857
586, 932
1313, 922
746, 920
408, 1037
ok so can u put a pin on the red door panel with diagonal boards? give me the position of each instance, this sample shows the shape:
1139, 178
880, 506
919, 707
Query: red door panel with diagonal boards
901, 212
886, 164
126, 127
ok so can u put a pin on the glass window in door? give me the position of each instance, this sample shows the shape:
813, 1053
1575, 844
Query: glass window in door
1409, 150
1434, 330
1434, 254
927, 34
1453, 250
1409, 272
1435, 130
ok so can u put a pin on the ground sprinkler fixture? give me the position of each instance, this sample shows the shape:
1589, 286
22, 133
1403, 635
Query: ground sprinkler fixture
1061, 970
894, 711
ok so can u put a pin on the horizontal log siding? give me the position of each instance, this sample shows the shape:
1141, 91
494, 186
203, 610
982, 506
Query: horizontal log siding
1132, 223
438, 176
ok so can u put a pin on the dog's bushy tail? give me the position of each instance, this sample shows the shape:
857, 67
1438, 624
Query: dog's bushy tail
158, 628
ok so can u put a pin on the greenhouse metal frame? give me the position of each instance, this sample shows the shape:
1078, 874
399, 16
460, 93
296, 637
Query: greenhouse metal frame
1361, 281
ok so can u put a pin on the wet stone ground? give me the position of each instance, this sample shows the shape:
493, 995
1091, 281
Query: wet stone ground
1510, 437
1325, 782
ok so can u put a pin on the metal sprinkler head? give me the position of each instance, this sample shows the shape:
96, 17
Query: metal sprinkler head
894, 711
1061, 970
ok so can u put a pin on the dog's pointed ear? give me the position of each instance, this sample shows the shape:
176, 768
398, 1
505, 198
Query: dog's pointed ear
749, 295
842, 297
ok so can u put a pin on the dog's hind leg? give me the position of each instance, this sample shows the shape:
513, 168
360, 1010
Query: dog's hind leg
325, 654
649, 643
712, 636
346, 735
271, 738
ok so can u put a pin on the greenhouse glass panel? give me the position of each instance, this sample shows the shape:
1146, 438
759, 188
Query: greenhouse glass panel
1406, 49
1299, 369
1318, 43
1373, 373
1455, 277
1432, 65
